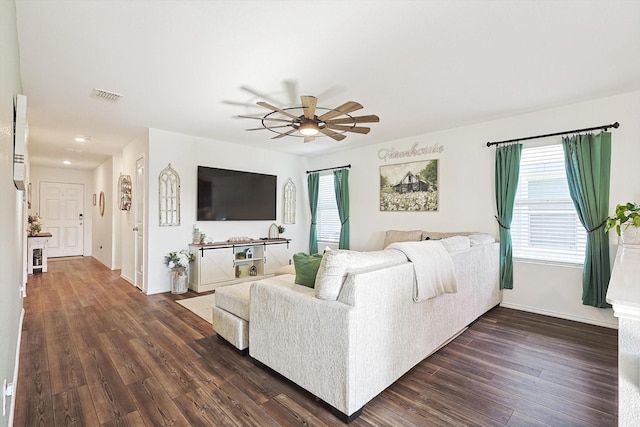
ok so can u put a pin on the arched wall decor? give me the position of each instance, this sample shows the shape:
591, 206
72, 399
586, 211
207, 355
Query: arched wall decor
169, 197
289, 212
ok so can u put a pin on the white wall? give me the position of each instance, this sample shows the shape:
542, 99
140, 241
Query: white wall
12, 208
466, 187
102, 244
38, 174
185, 153
135, 150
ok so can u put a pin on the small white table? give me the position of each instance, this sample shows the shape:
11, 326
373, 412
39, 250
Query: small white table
37, 252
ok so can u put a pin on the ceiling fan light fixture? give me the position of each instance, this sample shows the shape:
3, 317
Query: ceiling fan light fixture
308, 128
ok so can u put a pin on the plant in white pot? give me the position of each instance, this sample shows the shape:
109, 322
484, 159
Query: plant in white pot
626, 221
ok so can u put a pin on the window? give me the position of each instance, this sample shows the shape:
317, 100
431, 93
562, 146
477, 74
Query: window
545, 224
328, 221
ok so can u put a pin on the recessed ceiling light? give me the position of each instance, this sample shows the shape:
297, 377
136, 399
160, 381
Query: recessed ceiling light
67, 162
81, 139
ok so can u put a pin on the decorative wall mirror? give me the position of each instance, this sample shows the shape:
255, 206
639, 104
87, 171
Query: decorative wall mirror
289, 212
124, 188
101, 203
169, 196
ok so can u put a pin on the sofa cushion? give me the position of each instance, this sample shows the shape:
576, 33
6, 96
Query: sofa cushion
481, 239
287, 269
234, 299
306, 268
438, 235
337, 264
455, 243
393, 236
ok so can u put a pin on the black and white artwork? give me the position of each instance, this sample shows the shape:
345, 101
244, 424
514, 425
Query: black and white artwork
409, 187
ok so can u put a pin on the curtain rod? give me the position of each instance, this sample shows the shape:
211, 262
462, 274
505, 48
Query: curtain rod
328, 169
603, 127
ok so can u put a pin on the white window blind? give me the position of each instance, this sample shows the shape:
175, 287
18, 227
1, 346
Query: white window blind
328, 220
545, 224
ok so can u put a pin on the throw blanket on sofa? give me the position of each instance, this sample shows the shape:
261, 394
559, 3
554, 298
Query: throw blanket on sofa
434, 273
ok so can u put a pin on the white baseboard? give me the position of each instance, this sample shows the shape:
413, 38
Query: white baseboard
127, 279
559, 315
16, 369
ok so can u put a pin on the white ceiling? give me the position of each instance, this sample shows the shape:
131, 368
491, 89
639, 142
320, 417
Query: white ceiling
193, 66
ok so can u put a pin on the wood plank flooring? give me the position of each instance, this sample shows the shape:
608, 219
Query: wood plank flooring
97, 352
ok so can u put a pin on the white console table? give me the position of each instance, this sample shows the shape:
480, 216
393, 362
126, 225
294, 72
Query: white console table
225, 263
624, 295
37, 252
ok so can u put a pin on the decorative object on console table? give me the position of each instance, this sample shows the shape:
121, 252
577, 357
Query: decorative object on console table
626, 221
178, 263
35, 225
274, 231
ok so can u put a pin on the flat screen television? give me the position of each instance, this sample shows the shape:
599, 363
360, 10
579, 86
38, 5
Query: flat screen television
231, 195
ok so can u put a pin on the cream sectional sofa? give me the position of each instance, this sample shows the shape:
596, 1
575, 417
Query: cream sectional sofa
347, 349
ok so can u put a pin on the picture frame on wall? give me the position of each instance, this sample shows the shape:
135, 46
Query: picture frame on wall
409, 187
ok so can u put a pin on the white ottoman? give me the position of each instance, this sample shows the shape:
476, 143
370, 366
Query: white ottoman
231, 314
231, 310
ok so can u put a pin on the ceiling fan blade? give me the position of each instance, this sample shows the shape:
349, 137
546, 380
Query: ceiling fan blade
345, 108
355, 129
309, 106
258, 94
270, 127
285, 134
309, 138
292, 91
271, 107
266, 118
354, 120
332, 134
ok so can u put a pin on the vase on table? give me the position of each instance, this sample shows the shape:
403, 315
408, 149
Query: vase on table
630, 235
179, 278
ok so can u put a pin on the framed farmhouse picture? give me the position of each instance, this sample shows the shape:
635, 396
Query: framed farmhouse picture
409, 187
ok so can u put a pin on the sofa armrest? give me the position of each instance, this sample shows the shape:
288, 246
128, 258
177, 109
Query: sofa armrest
330, 348
304, 338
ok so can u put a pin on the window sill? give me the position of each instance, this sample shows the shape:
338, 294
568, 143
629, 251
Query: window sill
545, 262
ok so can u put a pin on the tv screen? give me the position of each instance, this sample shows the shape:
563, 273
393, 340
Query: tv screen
230, 195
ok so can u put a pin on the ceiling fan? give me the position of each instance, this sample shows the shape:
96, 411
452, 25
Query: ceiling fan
332, 122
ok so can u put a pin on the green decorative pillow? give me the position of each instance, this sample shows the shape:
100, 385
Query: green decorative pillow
306, 268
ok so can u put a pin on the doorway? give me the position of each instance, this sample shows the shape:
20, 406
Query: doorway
62, 212
139, 215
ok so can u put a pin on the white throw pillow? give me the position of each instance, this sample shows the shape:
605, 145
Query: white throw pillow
455, 243
393, 236
481, 239
336, 264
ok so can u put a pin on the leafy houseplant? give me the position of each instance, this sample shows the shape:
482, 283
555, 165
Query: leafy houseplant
178, 262
34, 225
628, 214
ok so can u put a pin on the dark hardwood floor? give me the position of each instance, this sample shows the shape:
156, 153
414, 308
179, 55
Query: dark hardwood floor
97, 352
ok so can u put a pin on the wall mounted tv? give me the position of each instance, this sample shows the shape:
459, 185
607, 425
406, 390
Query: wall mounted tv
231, 195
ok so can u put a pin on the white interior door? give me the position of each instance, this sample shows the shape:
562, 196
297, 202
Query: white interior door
62, 212
139, 196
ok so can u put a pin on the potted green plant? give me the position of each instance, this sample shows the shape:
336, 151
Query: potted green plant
178, 263
627, 215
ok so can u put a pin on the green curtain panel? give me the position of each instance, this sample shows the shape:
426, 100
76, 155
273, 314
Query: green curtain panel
588, 166
507, 172
313, 184
341, 186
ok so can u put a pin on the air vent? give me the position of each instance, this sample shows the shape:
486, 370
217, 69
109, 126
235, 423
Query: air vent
105, 95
